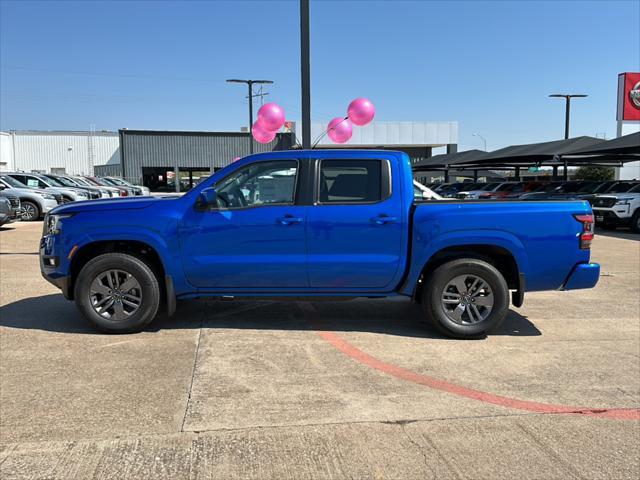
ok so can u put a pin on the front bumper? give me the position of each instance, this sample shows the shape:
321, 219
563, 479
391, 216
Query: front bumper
584, 275
53, 266
612, 216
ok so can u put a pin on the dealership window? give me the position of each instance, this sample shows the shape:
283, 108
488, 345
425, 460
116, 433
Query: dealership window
351, 181
262, 183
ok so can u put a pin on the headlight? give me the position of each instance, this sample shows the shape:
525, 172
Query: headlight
624, 201
48, 196
53, 223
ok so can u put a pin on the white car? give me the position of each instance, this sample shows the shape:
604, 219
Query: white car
487, 187
620, 209
420, 192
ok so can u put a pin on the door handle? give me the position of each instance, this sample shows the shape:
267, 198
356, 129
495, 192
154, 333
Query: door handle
383, 219
288, 220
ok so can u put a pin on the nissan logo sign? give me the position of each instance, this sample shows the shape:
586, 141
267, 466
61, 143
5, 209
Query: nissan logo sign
634, 95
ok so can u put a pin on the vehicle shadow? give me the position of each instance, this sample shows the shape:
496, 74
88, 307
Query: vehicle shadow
625, 234
397, 317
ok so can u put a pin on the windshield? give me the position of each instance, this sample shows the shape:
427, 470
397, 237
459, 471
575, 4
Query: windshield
82, 181
603, 187
620, 188
62, 181
588, 187
106, 181
508, 187
635, 189
118, 181
12, 182
489, 186
52, 181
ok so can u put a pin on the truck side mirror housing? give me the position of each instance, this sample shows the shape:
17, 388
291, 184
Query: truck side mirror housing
209, 197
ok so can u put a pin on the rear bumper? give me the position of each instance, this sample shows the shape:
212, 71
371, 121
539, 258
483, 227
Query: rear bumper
584, 275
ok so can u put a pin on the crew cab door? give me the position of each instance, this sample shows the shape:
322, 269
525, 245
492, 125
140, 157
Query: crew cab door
255, 238
355, 227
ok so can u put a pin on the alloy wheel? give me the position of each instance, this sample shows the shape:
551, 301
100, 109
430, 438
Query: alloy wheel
28, 212
115, 295
467, 299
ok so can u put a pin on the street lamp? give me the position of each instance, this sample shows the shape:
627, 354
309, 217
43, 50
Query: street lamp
484, 140
567, 98
250, 84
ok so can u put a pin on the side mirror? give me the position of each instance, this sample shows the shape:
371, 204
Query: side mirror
209, 196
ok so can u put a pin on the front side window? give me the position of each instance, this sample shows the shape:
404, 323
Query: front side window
350, 181
258, 184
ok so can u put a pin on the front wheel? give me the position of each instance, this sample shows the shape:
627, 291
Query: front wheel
465, 298
30, 211
118, 293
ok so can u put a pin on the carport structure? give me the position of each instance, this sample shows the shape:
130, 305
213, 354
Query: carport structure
570, 152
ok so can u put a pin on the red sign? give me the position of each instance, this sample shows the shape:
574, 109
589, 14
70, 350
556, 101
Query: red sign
629, 96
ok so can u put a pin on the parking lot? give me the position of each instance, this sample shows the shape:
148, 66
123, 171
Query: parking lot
353, 389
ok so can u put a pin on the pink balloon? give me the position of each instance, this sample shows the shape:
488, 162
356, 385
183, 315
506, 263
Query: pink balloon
261, 135
339, 130
271, 117
361, 111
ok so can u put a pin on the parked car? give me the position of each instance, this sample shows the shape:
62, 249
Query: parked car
608, 188
123, 191
614, 210
10, 210
5, 210
123, 183
94, 191
476, 190
34, 203
33, 180
85, 182
503, 190
420, 192
314, 223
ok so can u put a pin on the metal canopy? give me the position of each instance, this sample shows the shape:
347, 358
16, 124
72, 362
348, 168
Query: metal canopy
629, 144
441, 161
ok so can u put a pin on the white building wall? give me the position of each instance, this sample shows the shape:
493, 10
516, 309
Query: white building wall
6, 152
406, 134
44, 151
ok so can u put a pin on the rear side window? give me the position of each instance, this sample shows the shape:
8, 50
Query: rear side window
353, 181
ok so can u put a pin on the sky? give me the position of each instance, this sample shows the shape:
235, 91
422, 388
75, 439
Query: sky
162, 64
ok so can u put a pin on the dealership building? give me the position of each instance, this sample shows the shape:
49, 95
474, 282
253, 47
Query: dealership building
177, 160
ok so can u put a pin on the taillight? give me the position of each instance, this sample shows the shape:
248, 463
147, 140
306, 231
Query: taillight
588, 227
123, 193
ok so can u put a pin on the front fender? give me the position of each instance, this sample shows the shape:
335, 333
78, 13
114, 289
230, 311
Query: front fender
426, 246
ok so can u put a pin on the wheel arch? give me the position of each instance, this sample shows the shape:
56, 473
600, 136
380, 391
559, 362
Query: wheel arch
498, 256
137, 248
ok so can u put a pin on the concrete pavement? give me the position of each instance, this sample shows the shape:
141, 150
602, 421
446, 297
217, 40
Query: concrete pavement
256, 389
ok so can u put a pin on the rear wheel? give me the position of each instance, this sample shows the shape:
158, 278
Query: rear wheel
30, 211
465, 298
118, 293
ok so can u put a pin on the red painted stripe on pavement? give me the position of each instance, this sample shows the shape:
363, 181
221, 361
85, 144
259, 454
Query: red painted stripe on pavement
437, 384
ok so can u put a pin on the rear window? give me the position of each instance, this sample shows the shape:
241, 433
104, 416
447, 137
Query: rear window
352, 181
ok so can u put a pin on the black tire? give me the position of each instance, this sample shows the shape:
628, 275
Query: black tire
435, 308
33, 210
635, 221
149, 292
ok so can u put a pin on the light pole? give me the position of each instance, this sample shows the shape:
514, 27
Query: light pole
305, 73
567, 115
250, 84
484, 140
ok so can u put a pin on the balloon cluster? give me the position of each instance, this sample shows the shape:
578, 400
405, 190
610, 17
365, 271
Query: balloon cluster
360, 112
270, 119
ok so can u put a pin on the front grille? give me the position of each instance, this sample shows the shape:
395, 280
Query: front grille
95, 195
604, 202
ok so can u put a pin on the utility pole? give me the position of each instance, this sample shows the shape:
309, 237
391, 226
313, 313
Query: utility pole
305, 71
567, 115
250, 84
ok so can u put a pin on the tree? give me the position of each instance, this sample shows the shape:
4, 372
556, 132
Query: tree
595, 173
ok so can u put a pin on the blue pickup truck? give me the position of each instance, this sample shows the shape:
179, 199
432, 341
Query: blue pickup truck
316, 223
